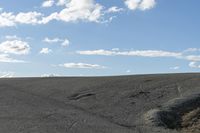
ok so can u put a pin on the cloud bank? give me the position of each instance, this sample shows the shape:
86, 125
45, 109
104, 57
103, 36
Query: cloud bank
82, 66
142, 53
72, 11
194, 59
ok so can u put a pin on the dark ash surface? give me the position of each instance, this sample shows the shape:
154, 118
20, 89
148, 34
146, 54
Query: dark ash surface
88, 105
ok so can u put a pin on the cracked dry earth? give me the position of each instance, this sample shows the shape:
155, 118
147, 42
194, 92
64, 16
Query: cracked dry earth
88, 104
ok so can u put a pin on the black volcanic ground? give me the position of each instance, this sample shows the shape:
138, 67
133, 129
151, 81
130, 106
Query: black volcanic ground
88, 105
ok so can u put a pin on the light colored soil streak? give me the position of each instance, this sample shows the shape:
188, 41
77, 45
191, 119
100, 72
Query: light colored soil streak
191, 122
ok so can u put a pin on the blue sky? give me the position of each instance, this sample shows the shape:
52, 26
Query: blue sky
98, 37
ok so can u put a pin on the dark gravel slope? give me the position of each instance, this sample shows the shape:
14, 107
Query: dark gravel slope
87, 105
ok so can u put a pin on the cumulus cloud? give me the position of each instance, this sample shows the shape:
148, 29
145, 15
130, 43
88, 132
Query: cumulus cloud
64, 42
8, 19
142, 53
132, 4
73, 11
28, 18
76, 10
14, 47
45, 51
82, 66
48, 3
86, 10
140, 4
147, 4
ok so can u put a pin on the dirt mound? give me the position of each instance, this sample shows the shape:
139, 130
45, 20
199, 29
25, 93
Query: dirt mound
181, 114
191, 121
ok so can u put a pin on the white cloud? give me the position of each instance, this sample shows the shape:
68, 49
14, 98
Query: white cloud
62, 2
47, 19
82, 66
132, 4
114, 9
128, 71
115, 49
73, 11
14, 47
48, 3
12, 37
64, 42
45, 51
147, 4
175, 68
8, 19
97, 52
49, 75
77, 10
7, 74
28, 18
184, 55
150, 53
191, 54
194, 65
54, 40
140, 4
142, 53
191, 50
192, 57
86, 10
5, 58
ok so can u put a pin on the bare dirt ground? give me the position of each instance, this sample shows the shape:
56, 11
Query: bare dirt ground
89, 104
